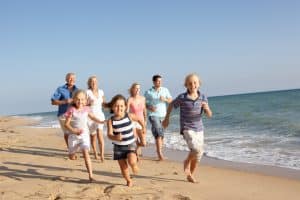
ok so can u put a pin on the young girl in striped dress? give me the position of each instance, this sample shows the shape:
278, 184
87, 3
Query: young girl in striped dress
120, 130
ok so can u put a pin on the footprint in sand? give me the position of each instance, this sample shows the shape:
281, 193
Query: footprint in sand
181, 197
108, 189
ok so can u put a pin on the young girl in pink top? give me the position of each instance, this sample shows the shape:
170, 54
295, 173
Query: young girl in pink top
77, 123
137, 105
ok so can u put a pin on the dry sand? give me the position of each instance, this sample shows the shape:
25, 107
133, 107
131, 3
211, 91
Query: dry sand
34, 165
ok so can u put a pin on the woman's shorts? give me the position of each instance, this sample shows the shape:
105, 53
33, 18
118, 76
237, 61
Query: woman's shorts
137, 125
121, 151
195, 141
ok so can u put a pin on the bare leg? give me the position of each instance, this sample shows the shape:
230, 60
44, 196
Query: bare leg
94, 145
190, 165
132, 160
101, 143
142, 137
88, 163
72, 156
66, 136
159, 145
125, 172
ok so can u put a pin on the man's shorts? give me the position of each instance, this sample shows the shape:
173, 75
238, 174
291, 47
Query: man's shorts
62, 121
156, 126
195, 141
121, 151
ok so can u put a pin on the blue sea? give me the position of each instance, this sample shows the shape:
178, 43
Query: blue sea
259, 128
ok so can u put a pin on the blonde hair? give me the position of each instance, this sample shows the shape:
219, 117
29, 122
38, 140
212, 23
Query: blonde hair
76, 93
187, 78
131, 88
89, 81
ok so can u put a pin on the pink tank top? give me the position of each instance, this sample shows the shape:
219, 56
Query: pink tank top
137, 109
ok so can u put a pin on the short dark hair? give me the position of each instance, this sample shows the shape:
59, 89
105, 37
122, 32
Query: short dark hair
155, 77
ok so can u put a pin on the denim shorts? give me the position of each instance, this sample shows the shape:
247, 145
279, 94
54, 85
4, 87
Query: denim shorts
121, 151
156, 126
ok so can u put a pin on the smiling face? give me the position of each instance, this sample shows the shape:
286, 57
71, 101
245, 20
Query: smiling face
92, 83
119, 108
135, 90
192, 84
70, 79
157, 83
80, 100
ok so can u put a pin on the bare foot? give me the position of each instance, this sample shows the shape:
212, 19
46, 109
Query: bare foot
191, 179
102, 158
91, 179
73, 157
129, 183
161, 157
97, 157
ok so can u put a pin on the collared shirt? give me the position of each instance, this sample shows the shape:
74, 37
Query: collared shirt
153, 99
63, 93
190, 111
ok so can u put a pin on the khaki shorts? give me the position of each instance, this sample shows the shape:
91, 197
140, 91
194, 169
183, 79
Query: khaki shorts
195, 141
62, 121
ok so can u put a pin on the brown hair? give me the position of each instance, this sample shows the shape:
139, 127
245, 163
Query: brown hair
114, 100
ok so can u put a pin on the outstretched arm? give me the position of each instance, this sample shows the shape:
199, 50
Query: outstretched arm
206, 109
165, 122
94, 118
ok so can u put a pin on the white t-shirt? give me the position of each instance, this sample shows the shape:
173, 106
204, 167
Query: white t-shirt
95, 102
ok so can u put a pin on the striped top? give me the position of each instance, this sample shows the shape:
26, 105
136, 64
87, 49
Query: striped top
190, 112
125, 127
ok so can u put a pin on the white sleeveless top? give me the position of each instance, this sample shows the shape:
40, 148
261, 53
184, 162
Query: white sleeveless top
96, 102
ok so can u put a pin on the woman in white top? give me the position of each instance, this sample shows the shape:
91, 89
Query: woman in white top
96, 99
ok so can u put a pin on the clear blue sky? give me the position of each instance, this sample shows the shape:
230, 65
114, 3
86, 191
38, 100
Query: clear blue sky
235, 46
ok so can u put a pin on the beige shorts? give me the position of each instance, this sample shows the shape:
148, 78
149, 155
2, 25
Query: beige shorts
93, 126
137, 125
195, 141
62, 121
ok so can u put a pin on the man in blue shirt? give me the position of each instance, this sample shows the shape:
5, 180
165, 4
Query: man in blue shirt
157, 99
62, 98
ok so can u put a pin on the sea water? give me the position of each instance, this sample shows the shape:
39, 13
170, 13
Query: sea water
260, 128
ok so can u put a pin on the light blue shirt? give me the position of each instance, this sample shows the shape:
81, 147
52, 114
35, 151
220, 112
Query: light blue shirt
153, 99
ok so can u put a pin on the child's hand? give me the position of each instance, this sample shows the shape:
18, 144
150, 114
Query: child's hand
152, 108
204, 105
118, 137
78, 131
165, 123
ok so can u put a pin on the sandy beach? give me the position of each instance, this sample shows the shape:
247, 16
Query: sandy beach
34, 165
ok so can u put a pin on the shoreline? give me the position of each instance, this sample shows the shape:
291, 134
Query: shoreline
35, 165
179, 156
149, 152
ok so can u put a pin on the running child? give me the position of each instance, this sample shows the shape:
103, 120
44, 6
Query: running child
120, 130
192, 105
77, 123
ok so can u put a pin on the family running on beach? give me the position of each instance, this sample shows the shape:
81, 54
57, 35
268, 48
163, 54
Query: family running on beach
80, 113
